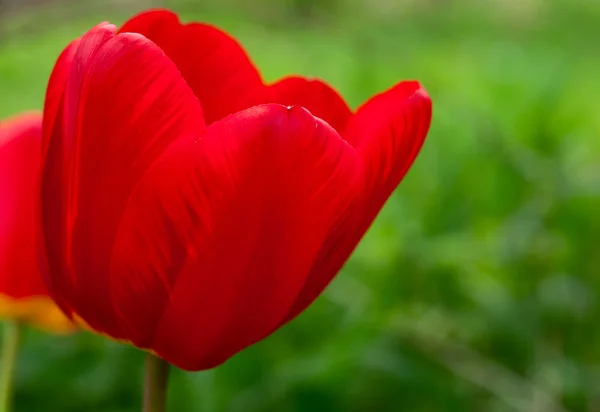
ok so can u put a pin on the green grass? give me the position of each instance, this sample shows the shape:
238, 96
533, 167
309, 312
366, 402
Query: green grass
477, 287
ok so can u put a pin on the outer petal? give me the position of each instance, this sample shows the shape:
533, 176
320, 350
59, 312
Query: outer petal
125, 102
23, 295
387, 132
58, 150
52, 124
239, 215
55, 91
313, 94
213, 63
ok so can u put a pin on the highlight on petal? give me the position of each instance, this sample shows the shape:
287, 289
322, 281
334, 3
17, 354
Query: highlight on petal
227, 226
213, 63
387, 132
124, 103
314, 95
87, 50
23, 296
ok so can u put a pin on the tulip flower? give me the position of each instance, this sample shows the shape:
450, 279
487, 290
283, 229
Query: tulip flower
191, 209
23, 296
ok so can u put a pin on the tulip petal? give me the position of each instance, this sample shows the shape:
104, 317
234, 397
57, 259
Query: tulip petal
125, 102
20, 140
387, 132
55, 91
23, 295
222, 75
52, 125
314, 95
239, 214
214, 64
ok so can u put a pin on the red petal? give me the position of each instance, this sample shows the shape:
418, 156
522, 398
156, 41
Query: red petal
222, 76
213, 63
315, 95
20, 142
238, 215
387, 132
55, 90
125, 102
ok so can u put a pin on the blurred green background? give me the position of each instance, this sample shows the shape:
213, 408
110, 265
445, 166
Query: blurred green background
477, 287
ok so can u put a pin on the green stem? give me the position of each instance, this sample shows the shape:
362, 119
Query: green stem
155, 384
10, 350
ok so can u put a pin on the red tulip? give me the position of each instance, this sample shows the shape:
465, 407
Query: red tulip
187, 208
23, 296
